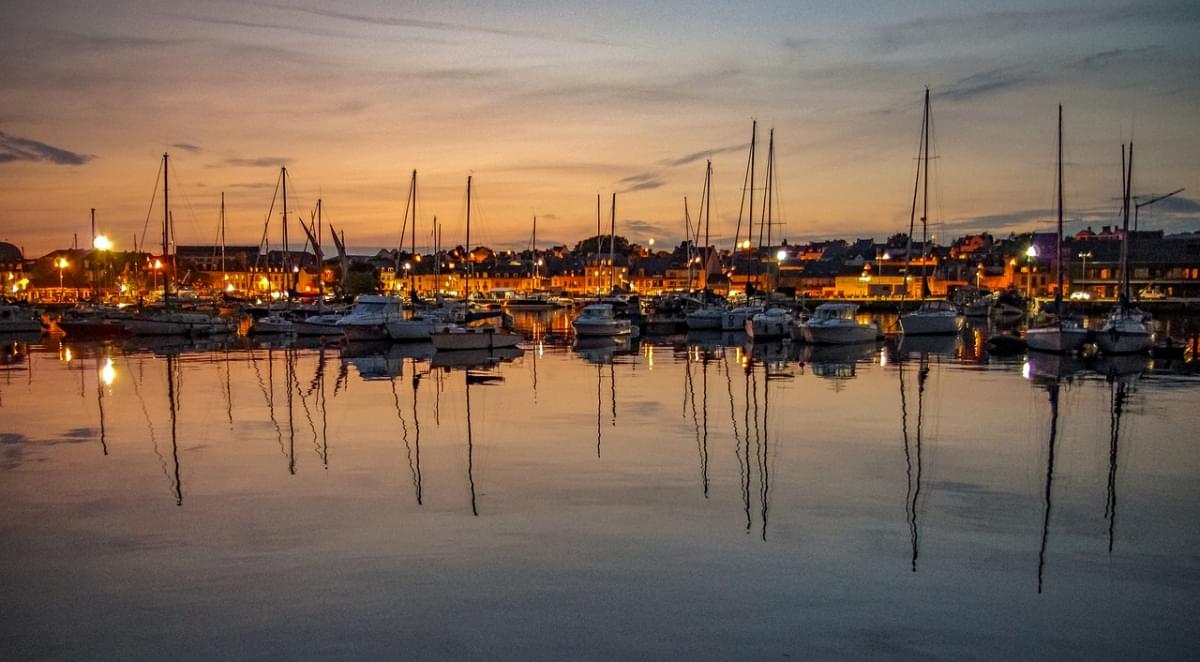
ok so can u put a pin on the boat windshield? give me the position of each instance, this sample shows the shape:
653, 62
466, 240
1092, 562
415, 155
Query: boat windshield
365, 308
834, 312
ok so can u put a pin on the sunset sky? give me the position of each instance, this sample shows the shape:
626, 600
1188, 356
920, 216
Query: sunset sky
548, 104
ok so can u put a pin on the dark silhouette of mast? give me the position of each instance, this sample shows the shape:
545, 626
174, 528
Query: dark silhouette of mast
289, 366
747, 191
1119, 395
173, 407
598, 406
100, 405
912, 217
1053, 391
416, 380
412, 467
166, 241
470, 449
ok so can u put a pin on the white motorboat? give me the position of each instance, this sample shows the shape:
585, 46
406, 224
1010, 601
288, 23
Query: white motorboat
598, 319
324, 324
416, 328
14, 319
369, 317
1126, 330
273, 325
836, 324
771, 323
933, 317
707, 318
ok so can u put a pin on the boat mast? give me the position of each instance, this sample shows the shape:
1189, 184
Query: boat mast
753, 145
535, 257
224, 275
1128, 185
912, 217
690, 239
598, 244
166, 235
287, 276
764, 221
612, 238
412, 272
925, 204
1058, 274
707, 215
470, 262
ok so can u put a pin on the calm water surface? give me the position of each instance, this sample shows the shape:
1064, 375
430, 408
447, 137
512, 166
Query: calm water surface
686, 498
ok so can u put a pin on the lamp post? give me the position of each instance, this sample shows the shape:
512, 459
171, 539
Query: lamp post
103, 244
1083, 270
61, 263
1030, 256
158, 265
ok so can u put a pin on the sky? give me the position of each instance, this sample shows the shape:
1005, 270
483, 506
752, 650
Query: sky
549, 104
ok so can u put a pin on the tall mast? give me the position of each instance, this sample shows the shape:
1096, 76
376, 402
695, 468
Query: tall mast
765, 212
470, 262
535, 257
412, 272
166, 235
287, 276
612, 239
598, 244
707, 200
912, 217
1128, 185
925, 202
753, 145
223, 274
690, 239
1058, 275
320, 255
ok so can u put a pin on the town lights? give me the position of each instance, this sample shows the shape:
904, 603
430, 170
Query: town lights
781, 255
102, 243
1031, 252
61, 263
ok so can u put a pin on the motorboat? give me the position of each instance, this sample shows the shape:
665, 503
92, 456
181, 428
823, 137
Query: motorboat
836, 324
734, 319
273, 324
416, 328
771, 323
369, 317
15, 319
599, 319
934, 316
473, 337
532, 302
324, 324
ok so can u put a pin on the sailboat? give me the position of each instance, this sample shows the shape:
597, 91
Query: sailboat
1126, 329
273, 322
1057, 333
933, 316
467, 336
170, 322
419, 326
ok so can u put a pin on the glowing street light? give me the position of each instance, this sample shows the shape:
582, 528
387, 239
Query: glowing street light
61, 263
102, 243
781, 255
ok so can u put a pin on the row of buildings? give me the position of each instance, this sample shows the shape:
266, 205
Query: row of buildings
860, 269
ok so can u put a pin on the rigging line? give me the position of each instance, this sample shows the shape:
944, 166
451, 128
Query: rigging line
262, 243
737, 233
150, 210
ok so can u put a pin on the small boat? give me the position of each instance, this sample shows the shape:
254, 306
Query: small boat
369, 317
324, 324
734, 319
707, 318
273, 324
935, 316
771, 323
836, 324
15, 319
599, 319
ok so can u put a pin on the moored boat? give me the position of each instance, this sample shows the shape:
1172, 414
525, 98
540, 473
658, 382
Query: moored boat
836, 324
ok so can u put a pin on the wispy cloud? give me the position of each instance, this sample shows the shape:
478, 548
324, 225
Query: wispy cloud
258, 162
442, 26
187, 147
643, 181
13, 148
1104, 58
702, 154
986, 83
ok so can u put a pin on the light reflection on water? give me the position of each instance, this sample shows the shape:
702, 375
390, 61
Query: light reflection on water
697, 496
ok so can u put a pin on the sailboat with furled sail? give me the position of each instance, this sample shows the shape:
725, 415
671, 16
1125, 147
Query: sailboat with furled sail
168, 321
1126, 330
934, 316
1055, 332
473, 336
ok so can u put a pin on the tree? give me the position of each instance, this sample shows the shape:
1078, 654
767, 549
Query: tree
596, 244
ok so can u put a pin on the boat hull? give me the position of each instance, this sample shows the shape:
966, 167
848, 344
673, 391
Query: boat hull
374, 331
818, 334
1124, 341
607, 328
705, 320
914, 324
1056, 340
466, 339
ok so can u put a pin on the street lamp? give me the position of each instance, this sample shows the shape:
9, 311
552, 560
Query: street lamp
158, 265
61, 263
1083, 270
1030, 254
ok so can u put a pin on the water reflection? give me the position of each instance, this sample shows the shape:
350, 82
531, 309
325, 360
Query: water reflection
811, 492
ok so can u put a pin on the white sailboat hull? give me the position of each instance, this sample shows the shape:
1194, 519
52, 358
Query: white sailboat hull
705, 319
1130, 337
459, 338
930, 323
1055, 339
415, 329
838, 334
